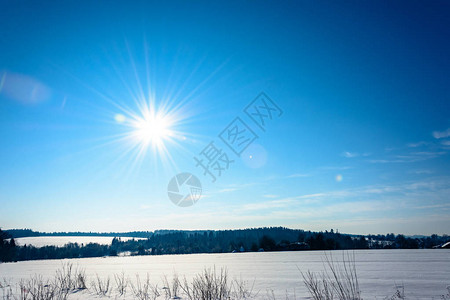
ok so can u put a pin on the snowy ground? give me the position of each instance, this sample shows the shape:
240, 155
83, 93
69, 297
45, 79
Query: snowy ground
425, 274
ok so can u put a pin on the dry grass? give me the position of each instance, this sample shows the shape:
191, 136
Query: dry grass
7, 292
66, 280
338, 281
100, 286
144, 290
121, 283
40, 289
70, 278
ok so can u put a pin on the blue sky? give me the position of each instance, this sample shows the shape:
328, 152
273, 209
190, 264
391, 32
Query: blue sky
362, 145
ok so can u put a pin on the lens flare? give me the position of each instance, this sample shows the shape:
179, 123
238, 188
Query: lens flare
120, 118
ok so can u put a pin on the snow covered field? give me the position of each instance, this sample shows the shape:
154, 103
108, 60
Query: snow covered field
425, 274
40, 241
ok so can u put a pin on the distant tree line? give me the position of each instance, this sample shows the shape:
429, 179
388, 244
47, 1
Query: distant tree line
186, 242
392, 241
18, 233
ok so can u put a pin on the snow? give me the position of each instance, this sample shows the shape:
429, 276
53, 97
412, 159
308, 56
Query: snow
424, 273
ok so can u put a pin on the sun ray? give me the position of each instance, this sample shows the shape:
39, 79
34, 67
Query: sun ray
153, 130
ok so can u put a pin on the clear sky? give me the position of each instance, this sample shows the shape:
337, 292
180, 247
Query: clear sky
102, 103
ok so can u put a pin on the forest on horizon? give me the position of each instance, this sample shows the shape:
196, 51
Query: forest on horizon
208, 241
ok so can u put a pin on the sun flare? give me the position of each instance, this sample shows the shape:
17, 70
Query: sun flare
152, 129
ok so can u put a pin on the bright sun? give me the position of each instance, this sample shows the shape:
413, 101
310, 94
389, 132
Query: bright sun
152, 129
